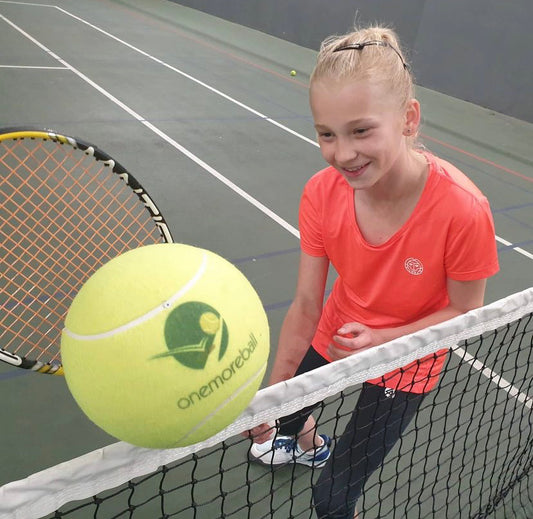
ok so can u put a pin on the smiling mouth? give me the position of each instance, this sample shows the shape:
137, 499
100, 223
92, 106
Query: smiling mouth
355, 171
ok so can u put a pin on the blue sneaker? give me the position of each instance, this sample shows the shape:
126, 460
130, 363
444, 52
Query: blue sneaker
285, 449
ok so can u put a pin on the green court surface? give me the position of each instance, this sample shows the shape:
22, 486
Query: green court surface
207, 116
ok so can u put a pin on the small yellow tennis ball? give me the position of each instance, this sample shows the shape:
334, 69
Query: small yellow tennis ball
293, 73
209, 323
165, 345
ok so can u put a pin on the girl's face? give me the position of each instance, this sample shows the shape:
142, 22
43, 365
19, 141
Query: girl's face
361, 129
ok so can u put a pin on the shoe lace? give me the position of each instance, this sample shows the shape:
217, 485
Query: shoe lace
288, 444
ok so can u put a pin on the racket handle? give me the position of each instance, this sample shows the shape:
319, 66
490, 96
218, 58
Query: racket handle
50, 368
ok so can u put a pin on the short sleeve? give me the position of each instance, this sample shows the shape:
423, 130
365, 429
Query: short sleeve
310, 222
471, 251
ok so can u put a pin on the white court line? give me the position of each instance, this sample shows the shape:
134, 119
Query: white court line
511, 390
33, 67
192, 78
163, 135
26, 3
494, 377
517, 249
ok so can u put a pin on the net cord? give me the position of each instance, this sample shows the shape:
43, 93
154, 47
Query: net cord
46, 491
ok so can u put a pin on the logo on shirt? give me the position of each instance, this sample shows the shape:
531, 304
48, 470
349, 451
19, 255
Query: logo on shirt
414, 266
389, 392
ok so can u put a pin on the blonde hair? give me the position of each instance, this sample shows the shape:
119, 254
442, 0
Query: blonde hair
371, 54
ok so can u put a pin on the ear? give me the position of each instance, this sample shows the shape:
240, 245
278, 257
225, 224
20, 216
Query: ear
412, 118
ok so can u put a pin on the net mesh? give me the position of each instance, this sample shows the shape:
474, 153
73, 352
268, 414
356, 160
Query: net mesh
64, 214
467, 453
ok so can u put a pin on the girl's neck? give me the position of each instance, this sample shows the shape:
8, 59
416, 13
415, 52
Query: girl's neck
406, 178
381, 211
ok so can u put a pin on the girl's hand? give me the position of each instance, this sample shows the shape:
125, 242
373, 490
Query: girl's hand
260, 433
352, 338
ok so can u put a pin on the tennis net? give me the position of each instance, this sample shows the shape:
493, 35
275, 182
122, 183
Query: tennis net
466, 454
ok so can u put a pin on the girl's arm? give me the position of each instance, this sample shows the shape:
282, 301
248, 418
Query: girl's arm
302, 317
298, 327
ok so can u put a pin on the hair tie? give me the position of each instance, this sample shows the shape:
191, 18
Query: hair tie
363, 44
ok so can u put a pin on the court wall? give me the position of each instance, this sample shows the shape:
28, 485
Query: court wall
476, 50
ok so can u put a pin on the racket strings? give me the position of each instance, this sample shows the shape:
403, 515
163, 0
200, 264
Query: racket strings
44, 265
65, 215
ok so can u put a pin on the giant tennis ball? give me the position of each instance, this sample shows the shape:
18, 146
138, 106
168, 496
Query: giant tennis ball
165, 345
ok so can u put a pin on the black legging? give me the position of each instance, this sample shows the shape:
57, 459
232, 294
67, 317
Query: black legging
376, 424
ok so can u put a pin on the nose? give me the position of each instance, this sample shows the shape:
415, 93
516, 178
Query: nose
345, 151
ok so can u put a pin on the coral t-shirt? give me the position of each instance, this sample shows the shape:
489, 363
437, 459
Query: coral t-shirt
450, 234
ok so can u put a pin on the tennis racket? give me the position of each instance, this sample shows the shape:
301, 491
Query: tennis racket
66, 209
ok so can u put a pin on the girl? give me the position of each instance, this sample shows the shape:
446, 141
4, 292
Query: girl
412, 240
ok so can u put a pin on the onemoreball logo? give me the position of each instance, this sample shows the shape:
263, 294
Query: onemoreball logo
193, 332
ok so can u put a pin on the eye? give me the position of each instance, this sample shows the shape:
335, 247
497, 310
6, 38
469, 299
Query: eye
325, 135
360, 131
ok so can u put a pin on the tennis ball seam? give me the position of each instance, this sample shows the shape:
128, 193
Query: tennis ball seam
150, 314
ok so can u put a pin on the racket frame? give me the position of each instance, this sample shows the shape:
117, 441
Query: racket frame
16, 133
